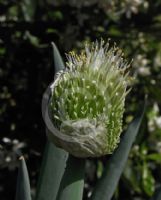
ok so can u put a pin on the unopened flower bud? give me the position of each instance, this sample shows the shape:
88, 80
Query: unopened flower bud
87, 101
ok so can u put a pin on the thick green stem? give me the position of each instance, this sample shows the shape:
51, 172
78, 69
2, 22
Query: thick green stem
52, 170
72, 183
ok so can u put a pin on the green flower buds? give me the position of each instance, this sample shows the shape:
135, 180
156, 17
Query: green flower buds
87, 101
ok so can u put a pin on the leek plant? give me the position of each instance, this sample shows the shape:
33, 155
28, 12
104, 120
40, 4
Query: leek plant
83, 110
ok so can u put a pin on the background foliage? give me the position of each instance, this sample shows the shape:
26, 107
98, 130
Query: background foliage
27, 28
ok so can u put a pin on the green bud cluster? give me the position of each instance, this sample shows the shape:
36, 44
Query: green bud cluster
87, 101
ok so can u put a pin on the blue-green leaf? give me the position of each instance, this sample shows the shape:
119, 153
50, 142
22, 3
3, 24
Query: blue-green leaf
54, 159
53, 166
72, 183
58, 62
107, 184
23, 184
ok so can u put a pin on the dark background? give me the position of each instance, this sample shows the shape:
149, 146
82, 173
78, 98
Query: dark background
27, 28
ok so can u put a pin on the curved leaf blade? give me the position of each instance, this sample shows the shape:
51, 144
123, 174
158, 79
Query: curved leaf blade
23, 183
53, 166
54, 159
58, 62
107, 184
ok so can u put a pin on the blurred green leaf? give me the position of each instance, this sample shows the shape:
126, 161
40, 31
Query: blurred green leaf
131, 177
28, 9
13, 12
33, 39
143, 151
56, 15
52, 30
107, 184
99, 169
23, 183
154, 157
114, 31
147, 180
2, 51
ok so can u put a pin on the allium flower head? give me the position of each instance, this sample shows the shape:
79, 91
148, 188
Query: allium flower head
87, 101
